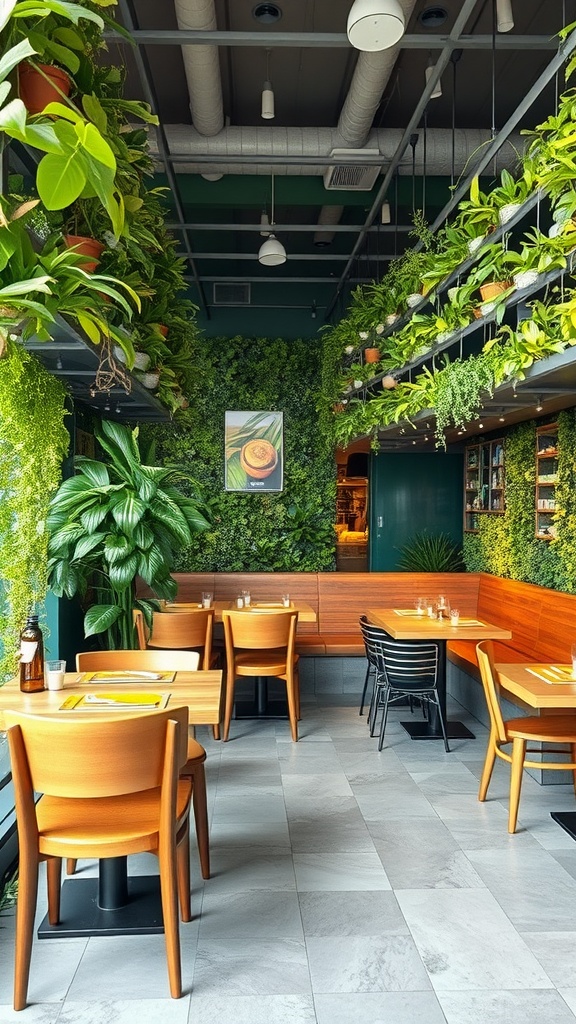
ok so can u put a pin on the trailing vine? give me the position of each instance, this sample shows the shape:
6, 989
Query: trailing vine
290, 531
33, 444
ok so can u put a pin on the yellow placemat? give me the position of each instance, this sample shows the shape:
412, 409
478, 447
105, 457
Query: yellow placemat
115, 701
408, 611
554, 674
128, 677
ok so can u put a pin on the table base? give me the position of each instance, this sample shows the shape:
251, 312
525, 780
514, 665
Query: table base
426, 731
566, 820
81, 916
261, 706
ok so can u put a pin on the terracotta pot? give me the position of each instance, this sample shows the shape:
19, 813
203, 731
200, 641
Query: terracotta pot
163, 330
86, 247
35, 92
338, 407
493, 288
389, 382
371, 355
478, 314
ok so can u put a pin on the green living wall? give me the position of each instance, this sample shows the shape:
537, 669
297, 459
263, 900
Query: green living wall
290, 531
505, 545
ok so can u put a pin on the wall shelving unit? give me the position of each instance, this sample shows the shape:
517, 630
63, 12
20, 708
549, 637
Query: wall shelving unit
546, 480
484, 482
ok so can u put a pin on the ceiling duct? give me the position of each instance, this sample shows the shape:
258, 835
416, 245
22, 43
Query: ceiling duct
202, 67
350, 177
231, 293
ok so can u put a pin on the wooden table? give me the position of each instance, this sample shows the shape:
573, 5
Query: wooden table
305, 611
113, 903
538, 693
410, 626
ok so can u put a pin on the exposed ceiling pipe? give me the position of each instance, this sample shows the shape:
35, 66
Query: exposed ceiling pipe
202, 67
256, 143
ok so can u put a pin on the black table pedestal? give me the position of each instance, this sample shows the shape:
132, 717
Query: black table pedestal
431, 729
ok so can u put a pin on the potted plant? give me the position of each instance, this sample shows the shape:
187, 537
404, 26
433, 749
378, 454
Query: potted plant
489, 275
477, 216
511, 193
537, 254
114, 521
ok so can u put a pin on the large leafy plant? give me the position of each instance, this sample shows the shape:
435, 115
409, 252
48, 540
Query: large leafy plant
114, 522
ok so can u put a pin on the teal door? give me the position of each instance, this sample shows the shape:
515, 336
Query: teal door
408, 494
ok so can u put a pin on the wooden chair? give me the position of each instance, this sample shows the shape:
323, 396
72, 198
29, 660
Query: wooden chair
262, 645
518, 732
181, 628
162, 661
130, 801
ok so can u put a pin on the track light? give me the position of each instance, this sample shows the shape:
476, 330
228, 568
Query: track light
504, 16
267, 110
539, 405
375, 24
437, 90
272, 253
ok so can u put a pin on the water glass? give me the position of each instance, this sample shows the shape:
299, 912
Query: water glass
441, 602
454, 616
286, 600
420, 605
54, 672
246, 598
240, 601
430, 608
206, 599
573, 652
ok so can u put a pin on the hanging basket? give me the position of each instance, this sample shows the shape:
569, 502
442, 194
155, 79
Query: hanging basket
35, 92
86, 246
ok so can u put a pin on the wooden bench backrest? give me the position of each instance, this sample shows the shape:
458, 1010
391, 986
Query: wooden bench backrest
263, 586
543, 622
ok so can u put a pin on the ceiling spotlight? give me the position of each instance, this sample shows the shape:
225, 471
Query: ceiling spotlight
432, 17
413, 442
212, 177
267, 110
272, 253
539, 405
437, 90
426, 438
504, 16
266, 14
375, 24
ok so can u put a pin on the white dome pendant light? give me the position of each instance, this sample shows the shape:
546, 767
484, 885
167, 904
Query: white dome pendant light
272, 253
375, 24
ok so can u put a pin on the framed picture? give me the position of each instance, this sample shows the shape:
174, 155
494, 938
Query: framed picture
254, 456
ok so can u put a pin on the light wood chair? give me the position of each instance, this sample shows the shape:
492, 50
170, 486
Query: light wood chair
518, 732
262, 645
162, 661
130, 801
181, 628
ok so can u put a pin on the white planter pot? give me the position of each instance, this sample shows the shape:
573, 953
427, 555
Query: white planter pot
475, 244
555, 230
487, 307
149, 380
413, 299
525, 278
444, 336
141, 361
505, 213
391, 319
119, 354
349, 350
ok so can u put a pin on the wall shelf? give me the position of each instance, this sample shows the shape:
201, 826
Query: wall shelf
484, 482
546, 480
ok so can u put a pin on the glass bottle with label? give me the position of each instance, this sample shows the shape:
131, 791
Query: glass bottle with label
31, 657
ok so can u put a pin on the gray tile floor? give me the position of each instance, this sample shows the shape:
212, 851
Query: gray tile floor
349, 887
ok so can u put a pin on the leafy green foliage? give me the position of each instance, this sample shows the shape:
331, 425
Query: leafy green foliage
426, 552
289, 531
33, 444
113, 522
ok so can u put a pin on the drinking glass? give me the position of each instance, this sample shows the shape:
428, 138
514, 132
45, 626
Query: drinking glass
420, 605
206, 599
430, 608
246, 597
454, 616
441, 601
573, 652
286, 600
54, 673
240, 601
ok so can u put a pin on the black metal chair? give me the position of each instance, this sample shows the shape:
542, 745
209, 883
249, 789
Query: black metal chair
404, 669
369, 633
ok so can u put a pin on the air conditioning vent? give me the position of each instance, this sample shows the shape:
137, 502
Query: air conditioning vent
352, 177
231, 294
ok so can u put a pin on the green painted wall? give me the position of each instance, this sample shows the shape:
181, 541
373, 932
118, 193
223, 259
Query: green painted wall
408, 494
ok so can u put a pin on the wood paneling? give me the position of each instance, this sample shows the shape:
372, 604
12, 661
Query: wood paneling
513, 605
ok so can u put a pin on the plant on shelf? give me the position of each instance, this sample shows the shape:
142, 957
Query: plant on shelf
477, 216
511, 193
459, 390
426, 552
491, 276
537, 254
114, 521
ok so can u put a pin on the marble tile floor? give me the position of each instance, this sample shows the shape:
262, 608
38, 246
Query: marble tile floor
349, 887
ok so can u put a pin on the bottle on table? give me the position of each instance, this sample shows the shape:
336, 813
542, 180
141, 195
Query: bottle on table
31, 656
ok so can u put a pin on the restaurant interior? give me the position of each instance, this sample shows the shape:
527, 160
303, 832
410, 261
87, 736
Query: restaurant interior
272, 454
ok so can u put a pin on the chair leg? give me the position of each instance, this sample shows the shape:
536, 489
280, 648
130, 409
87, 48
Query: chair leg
71, 866
488, 768
25, 911
441, 719
573, 755
290, 693
518, 757
183, 873
296, 671
384, 718
230, 683
169, 896
201, 818
365, 687
216, 731
54, 882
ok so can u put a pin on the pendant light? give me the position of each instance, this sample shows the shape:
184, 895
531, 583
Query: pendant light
437, 90
504, 16
272, 253
375, 24
267, 110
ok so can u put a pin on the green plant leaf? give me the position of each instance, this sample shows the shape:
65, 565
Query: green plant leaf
60, 180
100, 617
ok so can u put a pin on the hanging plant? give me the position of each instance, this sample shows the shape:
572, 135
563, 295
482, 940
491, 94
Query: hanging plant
459, 389
33, 443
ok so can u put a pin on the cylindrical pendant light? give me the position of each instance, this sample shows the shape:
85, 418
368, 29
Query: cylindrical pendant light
375, 24
267, 109
504, 16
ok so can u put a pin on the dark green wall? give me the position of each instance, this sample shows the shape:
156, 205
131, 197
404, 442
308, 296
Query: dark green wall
411, 493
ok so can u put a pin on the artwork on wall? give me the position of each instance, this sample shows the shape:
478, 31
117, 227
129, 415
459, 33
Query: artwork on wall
254, 457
